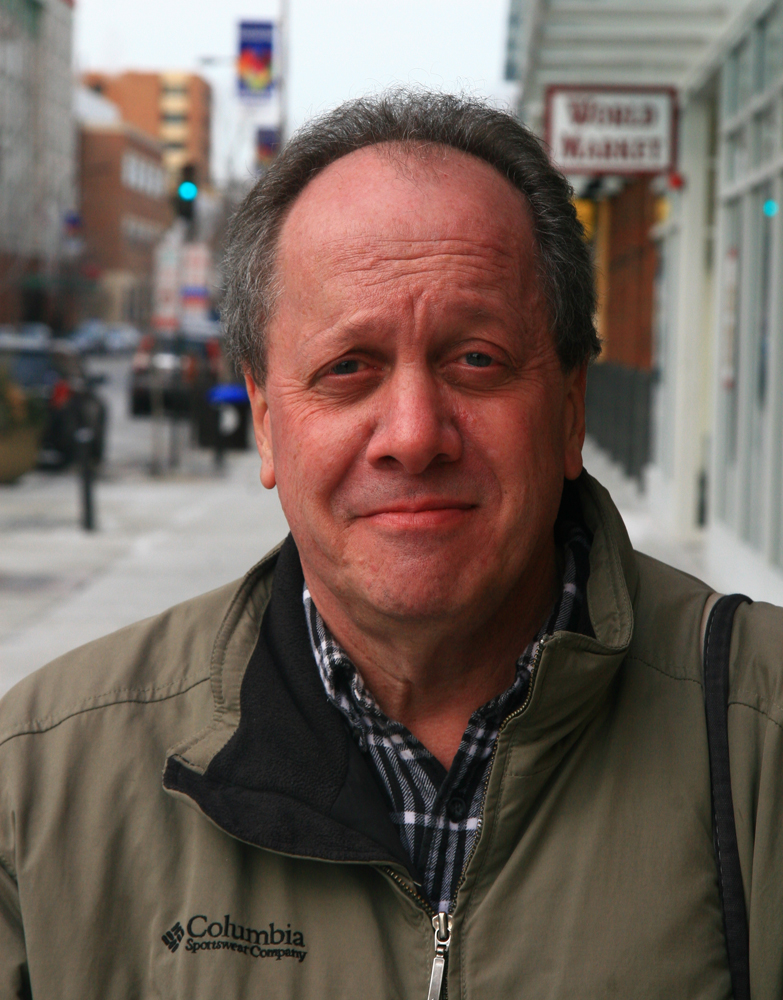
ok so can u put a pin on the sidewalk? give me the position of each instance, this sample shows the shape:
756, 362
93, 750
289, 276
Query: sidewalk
646, 534
161, 541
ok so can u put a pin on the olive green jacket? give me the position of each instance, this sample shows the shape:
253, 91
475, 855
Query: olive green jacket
183, 815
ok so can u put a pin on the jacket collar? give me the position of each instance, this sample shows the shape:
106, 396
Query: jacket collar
277, 767
574, 671
289, 777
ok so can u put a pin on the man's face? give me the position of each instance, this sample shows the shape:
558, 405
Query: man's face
415, 419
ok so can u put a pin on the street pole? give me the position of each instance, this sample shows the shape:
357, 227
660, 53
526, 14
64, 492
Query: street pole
156, 421
84, 440
220, 444
283, 74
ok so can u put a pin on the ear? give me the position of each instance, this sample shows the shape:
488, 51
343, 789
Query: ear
262, 429
574, 421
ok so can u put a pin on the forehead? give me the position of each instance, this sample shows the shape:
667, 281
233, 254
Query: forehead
387, 199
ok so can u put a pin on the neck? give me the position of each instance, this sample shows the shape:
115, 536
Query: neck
432, 676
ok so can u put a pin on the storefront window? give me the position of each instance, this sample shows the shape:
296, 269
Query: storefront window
748, 468
729, 358
736, 155
765, 135
664, 366
729, 86
758, 55
772, 48
745, 73
764, 210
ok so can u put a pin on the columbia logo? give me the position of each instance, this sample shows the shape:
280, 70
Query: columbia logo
173, 937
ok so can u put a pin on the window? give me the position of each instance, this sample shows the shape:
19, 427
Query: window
758, 56
139, 173
174, 118
142, 231
744, 72
748, 486
664, 292
764, 135
728, 347
736, 155
764, 209
772, 48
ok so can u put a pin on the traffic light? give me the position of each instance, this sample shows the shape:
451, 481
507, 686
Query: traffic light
187, 192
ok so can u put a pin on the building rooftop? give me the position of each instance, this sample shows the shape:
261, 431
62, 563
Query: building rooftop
90, 108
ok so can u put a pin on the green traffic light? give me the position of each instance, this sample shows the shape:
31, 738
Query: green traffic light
187, 191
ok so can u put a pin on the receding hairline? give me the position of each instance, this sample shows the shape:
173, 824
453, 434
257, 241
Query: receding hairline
400, 154
425, 125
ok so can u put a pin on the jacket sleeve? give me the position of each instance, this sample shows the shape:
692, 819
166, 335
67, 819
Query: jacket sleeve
756, 748
14, 980
763, 870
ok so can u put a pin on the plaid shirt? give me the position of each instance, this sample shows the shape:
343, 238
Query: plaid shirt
437, 812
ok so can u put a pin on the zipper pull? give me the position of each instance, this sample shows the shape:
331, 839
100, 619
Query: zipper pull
442, 925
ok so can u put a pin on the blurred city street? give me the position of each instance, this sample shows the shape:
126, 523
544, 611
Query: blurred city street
122, 167
432, 249
160, 540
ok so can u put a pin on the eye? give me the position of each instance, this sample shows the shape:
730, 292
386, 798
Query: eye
348, 367
478, 360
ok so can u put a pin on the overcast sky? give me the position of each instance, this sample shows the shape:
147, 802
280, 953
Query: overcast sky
337, 49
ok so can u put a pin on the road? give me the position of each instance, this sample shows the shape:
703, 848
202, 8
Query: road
160, 540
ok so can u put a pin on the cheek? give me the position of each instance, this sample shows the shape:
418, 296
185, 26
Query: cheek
519, 440
314, 452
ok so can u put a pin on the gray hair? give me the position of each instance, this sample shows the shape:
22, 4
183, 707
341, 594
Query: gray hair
412, 118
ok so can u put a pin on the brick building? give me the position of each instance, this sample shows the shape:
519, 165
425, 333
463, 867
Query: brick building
629, 265
125, 209
174, 107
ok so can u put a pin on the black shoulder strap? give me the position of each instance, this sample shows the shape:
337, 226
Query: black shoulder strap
717, 645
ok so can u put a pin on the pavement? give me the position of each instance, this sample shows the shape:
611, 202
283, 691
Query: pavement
647, 534
163, 539
160, 540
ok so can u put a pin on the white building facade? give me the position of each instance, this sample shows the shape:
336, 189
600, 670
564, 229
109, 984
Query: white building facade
37, 135
745, 540
716, 461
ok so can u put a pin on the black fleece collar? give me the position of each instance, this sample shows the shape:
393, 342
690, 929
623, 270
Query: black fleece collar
291, 779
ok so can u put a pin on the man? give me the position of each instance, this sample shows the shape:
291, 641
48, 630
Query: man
449, 738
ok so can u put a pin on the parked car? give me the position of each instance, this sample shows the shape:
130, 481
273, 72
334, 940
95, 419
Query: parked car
93, 336
89, 337
32, 333
121, 338
22, 420
54, 374
179, 370
38, 331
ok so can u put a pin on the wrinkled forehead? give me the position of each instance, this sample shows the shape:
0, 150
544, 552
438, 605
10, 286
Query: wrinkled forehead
397, 196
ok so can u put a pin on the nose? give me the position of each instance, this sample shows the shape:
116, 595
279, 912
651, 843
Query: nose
415, 426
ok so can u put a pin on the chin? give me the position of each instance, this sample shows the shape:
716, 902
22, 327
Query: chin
417, 595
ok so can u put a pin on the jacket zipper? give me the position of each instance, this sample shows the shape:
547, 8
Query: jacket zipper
441, 922
522, 707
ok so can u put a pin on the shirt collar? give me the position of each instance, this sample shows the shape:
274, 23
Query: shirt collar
345, 687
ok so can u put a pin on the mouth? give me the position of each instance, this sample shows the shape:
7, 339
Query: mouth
421, 514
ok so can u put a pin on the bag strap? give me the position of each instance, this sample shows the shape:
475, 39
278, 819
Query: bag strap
716, 646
